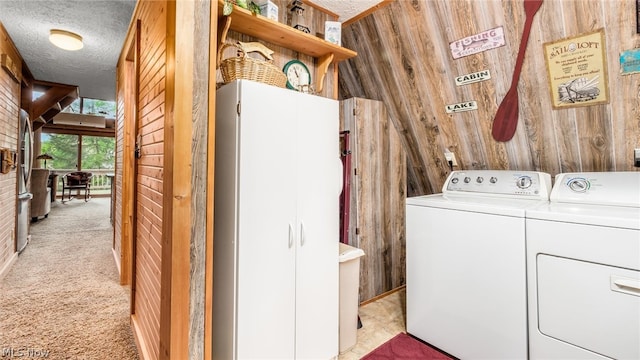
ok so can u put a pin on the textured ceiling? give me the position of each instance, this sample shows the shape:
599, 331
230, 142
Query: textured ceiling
102, 24
346, 9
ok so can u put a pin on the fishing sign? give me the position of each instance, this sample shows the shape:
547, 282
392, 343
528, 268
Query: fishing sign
486, 40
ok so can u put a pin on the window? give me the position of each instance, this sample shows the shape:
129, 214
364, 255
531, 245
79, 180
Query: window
99, 107
92, 107
98, 153
64, 150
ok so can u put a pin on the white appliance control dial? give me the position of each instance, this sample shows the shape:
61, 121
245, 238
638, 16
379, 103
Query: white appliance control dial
524, 182
511, 183
579, 184
614, 188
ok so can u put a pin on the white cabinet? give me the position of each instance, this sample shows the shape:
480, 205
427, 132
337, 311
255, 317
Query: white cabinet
277, 185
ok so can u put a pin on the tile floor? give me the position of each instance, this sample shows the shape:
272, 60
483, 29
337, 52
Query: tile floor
381, 320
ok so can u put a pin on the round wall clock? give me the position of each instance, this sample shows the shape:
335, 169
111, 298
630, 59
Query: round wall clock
297, 74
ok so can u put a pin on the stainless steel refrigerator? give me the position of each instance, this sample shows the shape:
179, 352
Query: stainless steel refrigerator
25, 159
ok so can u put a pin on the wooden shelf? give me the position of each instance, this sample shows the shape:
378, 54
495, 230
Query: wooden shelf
282, 35
243, 21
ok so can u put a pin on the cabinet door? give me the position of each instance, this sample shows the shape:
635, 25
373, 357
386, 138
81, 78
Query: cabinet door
319, 185
266, 231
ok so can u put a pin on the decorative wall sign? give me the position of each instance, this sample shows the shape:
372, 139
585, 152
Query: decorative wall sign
473, 77
630, 62
486, 40
577, 70
460, 107
333, 32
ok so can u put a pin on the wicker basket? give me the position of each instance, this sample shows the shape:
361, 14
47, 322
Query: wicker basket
248, 68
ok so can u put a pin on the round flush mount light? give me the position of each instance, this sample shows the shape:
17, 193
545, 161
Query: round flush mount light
65, 39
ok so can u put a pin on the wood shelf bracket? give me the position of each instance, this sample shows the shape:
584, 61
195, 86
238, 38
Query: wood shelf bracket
323, 66
223, 30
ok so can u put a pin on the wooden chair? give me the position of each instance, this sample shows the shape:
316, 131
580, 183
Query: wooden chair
77, 180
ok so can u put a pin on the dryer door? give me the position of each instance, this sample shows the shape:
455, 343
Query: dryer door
589, 305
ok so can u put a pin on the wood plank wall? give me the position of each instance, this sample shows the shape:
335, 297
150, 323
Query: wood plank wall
378, 191
125, 121
163, 82
9, 121
196, 81
404, 60
149, 170
121, 80
315, 21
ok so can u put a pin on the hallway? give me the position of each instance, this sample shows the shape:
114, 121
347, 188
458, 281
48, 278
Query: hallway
62, 298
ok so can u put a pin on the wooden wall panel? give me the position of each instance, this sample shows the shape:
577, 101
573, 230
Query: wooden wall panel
378, 191
404, 61
145, 83
9, 124
122, 76
168, 82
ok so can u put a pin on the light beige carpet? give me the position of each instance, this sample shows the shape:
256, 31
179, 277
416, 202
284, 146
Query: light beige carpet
62, 298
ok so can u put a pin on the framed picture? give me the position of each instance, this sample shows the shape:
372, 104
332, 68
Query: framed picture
577, 69
630, 62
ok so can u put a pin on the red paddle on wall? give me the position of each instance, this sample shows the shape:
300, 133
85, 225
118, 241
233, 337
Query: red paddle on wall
506, 120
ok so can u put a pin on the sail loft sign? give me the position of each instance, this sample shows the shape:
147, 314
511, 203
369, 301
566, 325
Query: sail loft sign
460, 107
473, 78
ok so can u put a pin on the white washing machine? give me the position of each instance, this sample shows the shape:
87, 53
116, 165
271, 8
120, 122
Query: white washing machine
583, 260
466, 271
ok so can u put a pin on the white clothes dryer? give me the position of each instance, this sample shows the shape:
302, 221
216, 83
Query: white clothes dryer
466, 271
583, 268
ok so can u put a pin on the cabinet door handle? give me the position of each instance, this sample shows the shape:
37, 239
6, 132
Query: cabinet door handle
625, 285
290, 236
301, 234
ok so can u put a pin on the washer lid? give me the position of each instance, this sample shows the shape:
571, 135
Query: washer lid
514, 207
600, 188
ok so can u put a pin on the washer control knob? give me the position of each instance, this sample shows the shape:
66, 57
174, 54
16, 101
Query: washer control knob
524, 182
493, 180
579, 185
454, 180
480, 179
467, 180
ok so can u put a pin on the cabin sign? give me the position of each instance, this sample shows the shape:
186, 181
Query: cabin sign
460, 107
473, 77
486, 40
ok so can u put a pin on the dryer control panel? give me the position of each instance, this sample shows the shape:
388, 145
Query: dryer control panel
620, 188
500, 183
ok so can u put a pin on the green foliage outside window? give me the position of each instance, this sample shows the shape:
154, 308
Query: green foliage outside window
99, 107
97, 152
92, 107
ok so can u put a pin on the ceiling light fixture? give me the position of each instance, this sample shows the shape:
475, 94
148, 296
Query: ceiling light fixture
65, 39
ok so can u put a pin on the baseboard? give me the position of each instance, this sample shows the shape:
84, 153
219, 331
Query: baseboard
5, 269
143, 350
385, 294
